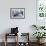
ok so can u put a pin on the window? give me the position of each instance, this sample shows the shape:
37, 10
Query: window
41, 8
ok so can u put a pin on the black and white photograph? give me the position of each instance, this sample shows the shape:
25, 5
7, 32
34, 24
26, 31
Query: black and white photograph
17, 13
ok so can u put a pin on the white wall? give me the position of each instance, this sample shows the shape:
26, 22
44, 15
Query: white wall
23, 24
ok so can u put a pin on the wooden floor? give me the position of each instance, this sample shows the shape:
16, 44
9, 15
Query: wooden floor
13, 44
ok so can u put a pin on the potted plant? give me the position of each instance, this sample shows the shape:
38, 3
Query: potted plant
38, 27
42, 27
39, 36
35, 27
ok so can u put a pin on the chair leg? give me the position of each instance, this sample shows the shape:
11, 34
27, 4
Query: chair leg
5, 40
17, 39
5, 43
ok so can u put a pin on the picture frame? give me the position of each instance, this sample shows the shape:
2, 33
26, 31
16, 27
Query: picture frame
17, 13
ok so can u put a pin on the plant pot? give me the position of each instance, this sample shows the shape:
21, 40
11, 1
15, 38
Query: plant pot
38, 40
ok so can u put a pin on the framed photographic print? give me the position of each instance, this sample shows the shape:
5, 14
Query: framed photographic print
17, 13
